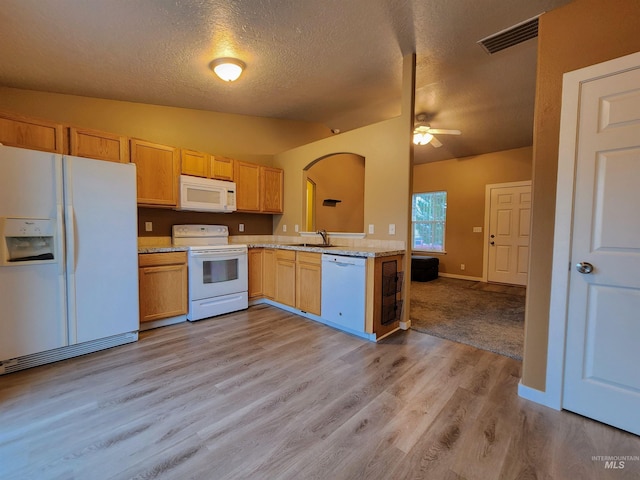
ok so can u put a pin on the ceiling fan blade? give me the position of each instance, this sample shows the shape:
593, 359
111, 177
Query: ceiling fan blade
439, 131
435, 142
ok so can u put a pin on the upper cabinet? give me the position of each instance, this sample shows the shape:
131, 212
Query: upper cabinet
99, 145
271, 186
247, 177
158, 170
200, 164
194, 163
221, 168
17, 131
259, 188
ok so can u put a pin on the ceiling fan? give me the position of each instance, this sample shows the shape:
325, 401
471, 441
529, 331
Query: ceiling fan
423, 133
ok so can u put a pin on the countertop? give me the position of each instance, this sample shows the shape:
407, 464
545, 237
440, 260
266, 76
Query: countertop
336, 250
162, 249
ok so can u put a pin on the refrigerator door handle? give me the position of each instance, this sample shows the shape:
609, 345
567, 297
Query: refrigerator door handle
70, 239
59, 241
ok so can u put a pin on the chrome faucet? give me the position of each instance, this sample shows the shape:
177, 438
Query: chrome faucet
325, 237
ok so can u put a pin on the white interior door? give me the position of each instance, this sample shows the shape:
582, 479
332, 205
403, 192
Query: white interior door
602, 378
510, 212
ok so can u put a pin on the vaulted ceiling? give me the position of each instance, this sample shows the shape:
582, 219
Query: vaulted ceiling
337, 62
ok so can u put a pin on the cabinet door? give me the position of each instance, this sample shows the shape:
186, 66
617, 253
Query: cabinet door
194, 163
158, 170
308, 282
163, 292
269, 273
286, 277
255, 272
221, 168
247, 178
272, 185
24, 132
100, 145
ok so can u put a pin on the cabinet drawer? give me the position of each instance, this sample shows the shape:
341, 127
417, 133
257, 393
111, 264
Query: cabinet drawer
168, 258
310, 257
286, 255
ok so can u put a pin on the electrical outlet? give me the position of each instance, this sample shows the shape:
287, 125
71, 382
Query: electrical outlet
462, 267
296, 228
241, 227
284, 228
148, 226
392, 229
371, 229
477, 229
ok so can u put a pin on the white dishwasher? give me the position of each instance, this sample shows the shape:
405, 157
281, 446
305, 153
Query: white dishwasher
343, 291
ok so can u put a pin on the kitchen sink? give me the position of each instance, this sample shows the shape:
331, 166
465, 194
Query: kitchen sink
318, 245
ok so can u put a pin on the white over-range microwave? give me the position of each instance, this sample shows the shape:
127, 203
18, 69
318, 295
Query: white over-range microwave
206, 195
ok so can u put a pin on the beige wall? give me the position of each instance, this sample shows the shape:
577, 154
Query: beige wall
211, 132
339, 177
247, 138
385, 147
464, 180
582, 33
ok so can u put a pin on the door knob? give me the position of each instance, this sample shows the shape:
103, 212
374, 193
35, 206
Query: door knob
584, 267
492, 242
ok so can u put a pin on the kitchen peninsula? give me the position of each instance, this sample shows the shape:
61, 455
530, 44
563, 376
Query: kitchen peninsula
303, 278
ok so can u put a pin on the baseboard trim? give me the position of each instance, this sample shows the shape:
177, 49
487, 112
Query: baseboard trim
162, 323
537, 396
461, 277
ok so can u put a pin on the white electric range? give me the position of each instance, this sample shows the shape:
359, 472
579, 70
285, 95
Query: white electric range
218, 272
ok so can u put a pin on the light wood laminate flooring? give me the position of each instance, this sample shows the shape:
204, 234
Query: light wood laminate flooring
264, 394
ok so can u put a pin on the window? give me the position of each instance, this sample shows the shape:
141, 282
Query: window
428, 220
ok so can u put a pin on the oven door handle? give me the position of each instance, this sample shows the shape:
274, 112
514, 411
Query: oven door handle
219, 253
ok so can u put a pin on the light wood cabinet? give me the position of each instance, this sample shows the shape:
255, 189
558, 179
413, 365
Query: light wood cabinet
256, 272
194, 163
247, 178
221, 168
269, 273
24, 132
99, 145
259, 188
158, 168
308, 282
286, 277
200, 164
271, 189
162, 285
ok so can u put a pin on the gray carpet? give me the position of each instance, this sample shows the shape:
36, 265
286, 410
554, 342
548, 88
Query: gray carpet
486, 316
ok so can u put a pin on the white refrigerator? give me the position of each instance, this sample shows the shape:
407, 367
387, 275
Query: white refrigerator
68, 257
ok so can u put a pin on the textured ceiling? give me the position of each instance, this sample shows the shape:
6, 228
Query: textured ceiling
335, 62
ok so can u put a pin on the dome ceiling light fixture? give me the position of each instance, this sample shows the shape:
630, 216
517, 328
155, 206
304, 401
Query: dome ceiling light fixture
227, 68
423, 133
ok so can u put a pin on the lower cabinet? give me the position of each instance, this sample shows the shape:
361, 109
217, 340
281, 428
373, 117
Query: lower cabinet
256, 269
286, 276
162, 285
308, 282
269, 273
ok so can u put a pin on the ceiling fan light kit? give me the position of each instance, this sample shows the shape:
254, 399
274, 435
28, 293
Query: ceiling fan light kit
424, 134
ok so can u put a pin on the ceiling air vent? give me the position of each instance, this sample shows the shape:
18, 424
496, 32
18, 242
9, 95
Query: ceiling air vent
511, 36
